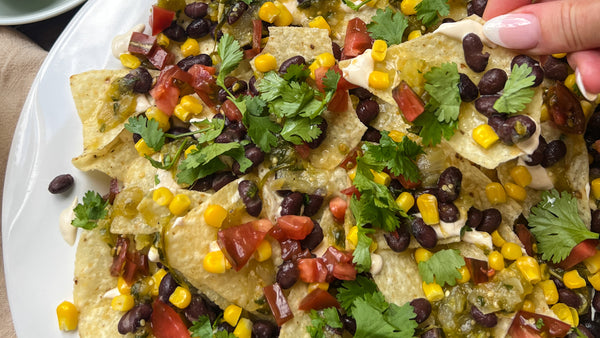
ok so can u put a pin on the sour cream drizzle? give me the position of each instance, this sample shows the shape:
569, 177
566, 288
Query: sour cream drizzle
458, 30
68, 231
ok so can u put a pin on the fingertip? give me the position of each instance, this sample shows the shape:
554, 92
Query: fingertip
586, 65
499, 7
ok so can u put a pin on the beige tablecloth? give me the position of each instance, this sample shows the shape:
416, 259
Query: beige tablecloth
20, 60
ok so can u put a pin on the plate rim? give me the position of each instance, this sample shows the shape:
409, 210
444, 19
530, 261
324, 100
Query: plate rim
40, 15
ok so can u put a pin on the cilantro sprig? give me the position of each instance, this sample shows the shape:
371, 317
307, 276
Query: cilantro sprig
321, 319
556, 225
261, 128
354, 7
206, 161
518, 90
88, 213
442, 267
231, 55
203, 329
398, 157
428, 10
388, 25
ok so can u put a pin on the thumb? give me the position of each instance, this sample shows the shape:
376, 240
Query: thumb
548, 27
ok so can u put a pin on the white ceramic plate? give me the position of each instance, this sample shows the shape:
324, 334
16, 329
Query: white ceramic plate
38, 262
16, 12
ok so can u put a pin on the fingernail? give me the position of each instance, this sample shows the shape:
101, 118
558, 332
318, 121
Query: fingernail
515, 31
589, 96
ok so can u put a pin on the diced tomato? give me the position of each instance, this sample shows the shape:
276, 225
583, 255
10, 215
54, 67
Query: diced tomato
339, 264
257, 27
526, 238
338, 207
278, 303
141, 43
351, 190
344, 271
408, 184
479, 270
343, 84
357, 39
278, 234
160, 58
579, 253
409, 103
165, 92
166, 323
135, 263
229, 109
239, 243
318, 299
312, 270
202, 78
160, 19
339, 101
112, 191
121, 248
350, 161
526, 324
296, 227
303, 150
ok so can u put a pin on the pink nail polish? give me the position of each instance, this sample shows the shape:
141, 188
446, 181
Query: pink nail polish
515, 31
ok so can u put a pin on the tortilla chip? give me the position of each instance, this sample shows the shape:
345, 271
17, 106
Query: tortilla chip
399, 280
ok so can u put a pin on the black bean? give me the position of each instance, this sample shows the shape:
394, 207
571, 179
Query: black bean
60, 184
570, 298
132, 319
492, 81
424, 234
252, 86
596, 221
473, 47
592, 327
476, 7
559, 283
485, 320
337, 51
198, 307
448, 20
263, 329
422, 308
292, 204
234, 85
253, 206
474, 217
516, 128
140, 79
449, 184
496, 121
448, 212
538, 154
287, 274
175, 32
202, 184
294, 60
553, 153
315, 143
555, 69
367, 110
596, 301
166, 288
200, 59
247, 189
468, 90
236, 12
136, 137
361, 93
371, 135
312, 204
536, 69
196, 10
433, 333
198, 28
222, 179
314, 238
485, 104
397, 240
254, 154
225, 326
348, 323
490, 220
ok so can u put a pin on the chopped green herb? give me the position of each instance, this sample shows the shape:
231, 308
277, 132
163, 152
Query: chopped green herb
428, 10
442, 267
88, 213
517, 91
388, 25
442, 85
231, 55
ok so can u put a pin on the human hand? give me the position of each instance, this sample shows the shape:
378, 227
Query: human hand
551, 26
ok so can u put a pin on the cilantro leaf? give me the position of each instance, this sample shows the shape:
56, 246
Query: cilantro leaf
556, 225
296, 73
330, 80
261, 129
432, 130
201, 327
395, 322
209, 129
427, 11
388, 25
319, 320
168, 161
205, 161
442, 267
442, 85
231, 55
352, 290
362, 252
354, 7
148, 129
90, 212
399, 157
298, 129
224, 334
517, 91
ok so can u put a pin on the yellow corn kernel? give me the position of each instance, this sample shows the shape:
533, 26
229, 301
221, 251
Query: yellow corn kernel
496, 261
232, 314
593, 263
544, 114
162, 40
243, 328
352, 173
596, 188
570, 82
215, 262
325, 60
465, 274
189, 150
122, 303
495, 193
511, 251
162, 196
485, 135
143, 149
319, 22
188, 107
408, 7
564, 313
123, 287
373, 246
550, 291
422, 255
265, 62
559, 55
68, 316
595, 280
573, 280
379, 80
182, 113
379, 50
528, 306
396, 136
352, 236
214, 215
130, 61
414, 34
263, 251
405, 201
529, 268
497, 239
284, 18
159, 116
428, 207
520, 175
156, 279
179, 204
181, 297
381, 178
190, 47
313, 286
433, 291
515, 191
268, 12
313, 67
586, 106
